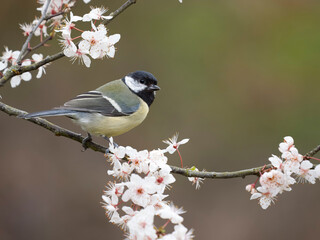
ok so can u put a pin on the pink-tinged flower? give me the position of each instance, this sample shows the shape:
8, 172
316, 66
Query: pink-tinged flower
69, 24
317, 170
157, 202
8, 56
196, 180
96, 14
26, 28
162, 180
114, 191
109, 205
276, 162
16, 80
139, 190
251, 188
292, 160
264, 196
78, 53
181, 233
275, 181
108, 48
172, 213
306, 173
42, 29
173, 144
119, 170
286, 144
158, 160
141, 225
129, 214
112, 210
37, 58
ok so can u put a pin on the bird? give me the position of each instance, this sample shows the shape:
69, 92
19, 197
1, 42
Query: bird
110, 110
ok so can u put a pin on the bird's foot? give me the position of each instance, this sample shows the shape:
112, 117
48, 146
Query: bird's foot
85, 141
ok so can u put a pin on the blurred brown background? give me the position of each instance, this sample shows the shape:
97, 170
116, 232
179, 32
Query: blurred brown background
236, 77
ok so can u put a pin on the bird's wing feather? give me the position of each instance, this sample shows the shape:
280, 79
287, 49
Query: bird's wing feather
96, 102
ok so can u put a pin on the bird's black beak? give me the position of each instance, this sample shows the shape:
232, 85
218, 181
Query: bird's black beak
153, 87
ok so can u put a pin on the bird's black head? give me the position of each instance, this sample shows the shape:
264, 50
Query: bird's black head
143, 84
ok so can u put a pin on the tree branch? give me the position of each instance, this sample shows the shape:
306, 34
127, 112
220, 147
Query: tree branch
59, 131
18, 69
25, 45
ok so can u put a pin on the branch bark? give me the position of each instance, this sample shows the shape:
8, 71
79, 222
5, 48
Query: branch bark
25, 45
18, 69
59, 131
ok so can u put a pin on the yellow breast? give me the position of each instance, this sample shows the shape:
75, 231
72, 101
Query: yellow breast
98, 124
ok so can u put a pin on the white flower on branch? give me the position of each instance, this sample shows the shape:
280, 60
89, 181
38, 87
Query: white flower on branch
96, 14
286, 144
180, 233
142, 194
141, 225
27, 28
306, 173
78, 53
42, 29
173, 144
69, 24
16, 80
196, 180
275, 181
38, 58
264, 196
172, 213
8, 56
139, 190
55, 6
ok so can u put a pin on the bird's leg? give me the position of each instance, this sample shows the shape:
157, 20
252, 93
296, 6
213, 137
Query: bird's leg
85, 140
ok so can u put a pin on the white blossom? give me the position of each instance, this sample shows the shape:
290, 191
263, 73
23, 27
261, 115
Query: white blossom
96, 14
172, 213
306, 173
27, 28
38, 58
141, 225
26, 76
139, 190
173, 144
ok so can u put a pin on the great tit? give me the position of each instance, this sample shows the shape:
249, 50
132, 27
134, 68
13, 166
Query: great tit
111, 109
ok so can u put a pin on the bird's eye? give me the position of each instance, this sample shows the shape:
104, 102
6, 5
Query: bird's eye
142, 81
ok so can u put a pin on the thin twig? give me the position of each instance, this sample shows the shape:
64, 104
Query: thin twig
25, 45
41, 43
17, 69
48, 17
59, 131
119, 10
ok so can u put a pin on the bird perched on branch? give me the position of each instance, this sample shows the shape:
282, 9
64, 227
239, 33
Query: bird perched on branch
111, 109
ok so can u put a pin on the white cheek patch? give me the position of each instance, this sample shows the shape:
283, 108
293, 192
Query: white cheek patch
134, 85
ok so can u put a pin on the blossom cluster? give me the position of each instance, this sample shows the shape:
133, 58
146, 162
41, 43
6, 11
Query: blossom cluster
10, 57
94, 42
286, 170
144, 176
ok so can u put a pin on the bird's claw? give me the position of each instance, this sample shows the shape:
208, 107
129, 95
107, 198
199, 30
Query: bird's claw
85, 141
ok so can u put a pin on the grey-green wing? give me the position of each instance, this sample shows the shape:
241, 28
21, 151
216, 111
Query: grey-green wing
112, 99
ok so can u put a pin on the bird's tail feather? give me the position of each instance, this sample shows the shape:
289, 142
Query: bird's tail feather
49, 113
